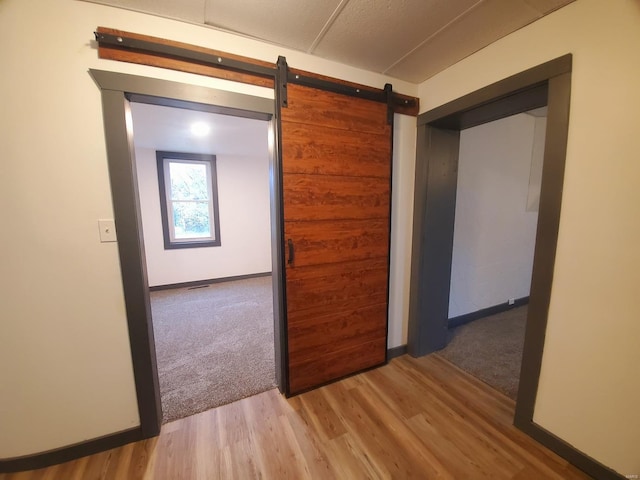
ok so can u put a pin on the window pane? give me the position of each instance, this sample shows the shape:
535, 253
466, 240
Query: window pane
191, 220
189, 191
188, 181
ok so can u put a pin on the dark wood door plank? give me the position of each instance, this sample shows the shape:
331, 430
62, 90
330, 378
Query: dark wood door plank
316, 243
345, 361
322, 150
339, 286
328, 333
311, 106
327, 197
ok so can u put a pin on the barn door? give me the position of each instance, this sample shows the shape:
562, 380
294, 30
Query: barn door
336, 162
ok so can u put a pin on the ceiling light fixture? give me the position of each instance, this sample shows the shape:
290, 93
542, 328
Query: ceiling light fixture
200, 129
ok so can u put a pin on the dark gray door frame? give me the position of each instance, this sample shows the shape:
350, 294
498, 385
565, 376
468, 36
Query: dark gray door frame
436, 184
117, 91
434, 209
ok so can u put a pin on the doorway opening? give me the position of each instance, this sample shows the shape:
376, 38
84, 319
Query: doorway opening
434, 211
496, 214
203, 186
119, 91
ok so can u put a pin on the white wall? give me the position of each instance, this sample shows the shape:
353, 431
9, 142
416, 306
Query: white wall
245, 223
404, 164
65, 363
537, 159
589, 384
494, 234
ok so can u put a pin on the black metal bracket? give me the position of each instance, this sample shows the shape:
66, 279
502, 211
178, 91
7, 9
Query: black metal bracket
291, 252
282, 70
184, 54
388, 93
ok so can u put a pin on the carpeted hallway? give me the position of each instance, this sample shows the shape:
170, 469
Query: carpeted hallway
214, 345
490, 349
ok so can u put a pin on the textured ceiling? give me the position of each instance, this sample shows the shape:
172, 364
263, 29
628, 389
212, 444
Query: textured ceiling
407, 39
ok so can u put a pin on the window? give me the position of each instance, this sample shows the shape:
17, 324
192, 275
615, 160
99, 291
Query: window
188, 199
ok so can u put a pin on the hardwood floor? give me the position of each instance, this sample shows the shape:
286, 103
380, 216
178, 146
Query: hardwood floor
413, 418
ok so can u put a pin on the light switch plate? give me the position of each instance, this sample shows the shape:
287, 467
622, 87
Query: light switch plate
107, 230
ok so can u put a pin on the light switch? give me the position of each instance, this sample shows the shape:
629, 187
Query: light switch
107, 231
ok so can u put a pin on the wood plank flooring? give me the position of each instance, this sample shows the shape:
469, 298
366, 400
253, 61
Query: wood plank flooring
413, 418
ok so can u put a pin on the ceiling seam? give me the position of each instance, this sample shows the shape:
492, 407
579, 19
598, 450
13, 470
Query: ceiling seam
328, 24
430, 37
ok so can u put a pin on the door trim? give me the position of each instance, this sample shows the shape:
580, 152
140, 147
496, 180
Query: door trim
549, 83
512, 95
117, 89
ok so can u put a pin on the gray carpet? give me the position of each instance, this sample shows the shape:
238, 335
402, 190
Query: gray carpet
214, 345
490, 349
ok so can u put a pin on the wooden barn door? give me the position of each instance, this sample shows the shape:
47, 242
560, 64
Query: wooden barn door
336, 161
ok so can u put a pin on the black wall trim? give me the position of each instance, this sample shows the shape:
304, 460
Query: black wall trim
436, 182
485, 312
199, 283
569, 452
72, 452
507, 92
396, 351
198, 106
546, 240
280, 319
126, 209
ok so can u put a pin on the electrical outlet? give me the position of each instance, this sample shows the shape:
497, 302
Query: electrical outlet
107, 230
512, 301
